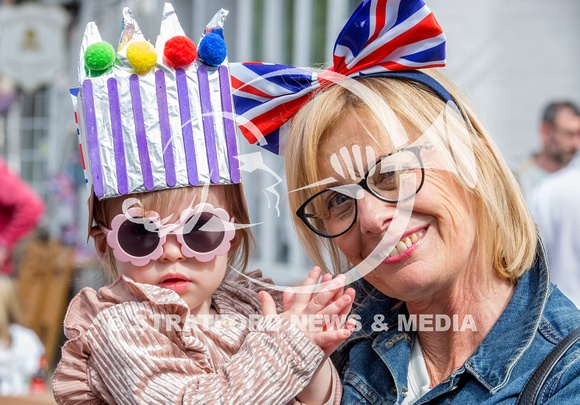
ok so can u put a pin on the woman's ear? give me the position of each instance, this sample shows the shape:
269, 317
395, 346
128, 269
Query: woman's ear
100, 240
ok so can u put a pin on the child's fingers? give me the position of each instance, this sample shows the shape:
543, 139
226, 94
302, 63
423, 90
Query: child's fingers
338, 307
303, 295
268, 304
326, 277
341, 335
333, 312
351, 293
288, 298
330, 340
324, 297
338, 293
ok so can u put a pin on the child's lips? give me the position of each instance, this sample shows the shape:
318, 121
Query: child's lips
175, 282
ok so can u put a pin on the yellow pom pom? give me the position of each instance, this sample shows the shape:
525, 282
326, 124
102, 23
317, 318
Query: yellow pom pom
141, 55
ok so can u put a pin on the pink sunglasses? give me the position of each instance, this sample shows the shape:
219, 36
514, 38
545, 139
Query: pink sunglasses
204, 233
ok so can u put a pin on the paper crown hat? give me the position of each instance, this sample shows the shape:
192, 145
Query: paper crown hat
153, 118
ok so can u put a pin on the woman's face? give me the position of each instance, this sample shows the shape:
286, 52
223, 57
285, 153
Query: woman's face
441, 230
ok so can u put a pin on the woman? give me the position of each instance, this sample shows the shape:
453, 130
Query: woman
455, 303
474, 260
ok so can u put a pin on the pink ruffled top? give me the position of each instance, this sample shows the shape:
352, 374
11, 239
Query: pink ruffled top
137, 343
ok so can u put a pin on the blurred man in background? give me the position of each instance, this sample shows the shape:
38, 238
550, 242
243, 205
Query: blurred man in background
555, 207
560, 136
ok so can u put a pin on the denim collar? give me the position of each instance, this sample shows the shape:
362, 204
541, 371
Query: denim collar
494, 359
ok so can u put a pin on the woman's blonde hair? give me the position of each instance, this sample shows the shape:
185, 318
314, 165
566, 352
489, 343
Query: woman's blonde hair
9, 309
170, 198
506, 230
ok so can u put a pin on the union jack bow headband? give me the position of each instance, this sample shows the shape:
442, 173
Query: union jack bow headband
381, 38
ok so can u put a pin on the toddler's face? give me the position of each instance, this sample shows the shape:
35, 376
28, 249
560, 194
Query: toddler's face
194, 280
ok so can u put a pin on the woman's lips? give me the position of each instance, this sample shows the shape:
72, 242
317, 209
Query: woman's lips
175, 282
399, 253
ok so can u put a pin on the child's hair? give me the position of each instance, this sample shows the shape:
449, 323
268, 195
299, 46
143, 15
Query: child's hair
168, 199
9, 309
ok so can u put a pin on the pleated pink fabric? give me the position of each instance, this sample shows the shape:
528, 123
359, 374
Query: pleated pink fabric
138, 344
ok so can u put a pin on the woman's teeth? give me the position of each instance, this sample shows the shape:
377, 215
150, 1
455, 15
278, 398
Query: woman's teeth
404, 243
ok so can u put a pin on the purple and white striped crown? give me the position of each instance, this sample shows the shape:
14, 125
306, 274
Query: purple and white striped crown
158, 128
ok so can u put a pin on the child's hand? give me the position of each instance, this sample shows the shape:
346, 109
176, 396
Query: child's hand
318, 311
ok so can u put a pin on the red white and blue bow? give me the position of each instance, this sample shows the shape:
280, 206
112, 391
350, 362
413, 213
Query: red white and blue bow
380, 36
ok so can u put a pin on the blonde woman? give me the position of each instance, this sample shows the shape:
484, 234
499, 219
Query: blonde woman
396, 181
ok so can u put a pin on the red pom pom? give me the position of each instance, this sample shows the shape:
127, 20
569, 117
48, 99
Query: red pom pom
180, 51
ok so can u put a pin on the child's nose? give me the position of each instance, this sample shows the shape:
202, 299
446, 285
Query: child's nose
172, 250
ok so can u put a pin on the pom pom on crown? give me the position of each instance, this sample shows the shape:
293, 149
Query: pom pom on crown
180, 51
141, 55
99, 57
212, 50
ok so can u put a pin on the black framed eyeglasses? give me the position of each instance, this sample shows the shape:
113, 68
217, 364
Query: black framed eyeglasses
393, 178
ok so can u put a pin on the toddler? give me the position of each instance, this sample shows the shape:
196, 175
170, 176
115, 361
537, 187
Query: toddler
169, 218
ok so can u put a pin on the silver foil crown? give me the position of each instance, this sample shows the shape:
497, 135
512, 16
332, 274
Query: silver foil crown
155, 129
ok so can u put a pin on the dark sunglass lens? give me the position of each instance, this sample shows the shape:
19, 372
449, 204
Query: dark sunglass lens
135, 239
203, 233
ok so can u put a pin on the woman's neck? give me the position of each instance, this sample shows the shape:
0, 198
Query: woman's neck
450, 328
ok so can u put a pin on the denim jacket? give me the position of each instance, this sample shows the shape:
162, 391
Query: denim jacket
536, 318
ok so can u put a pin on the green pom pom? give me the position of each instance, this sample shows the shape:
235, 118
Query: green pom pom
99, 57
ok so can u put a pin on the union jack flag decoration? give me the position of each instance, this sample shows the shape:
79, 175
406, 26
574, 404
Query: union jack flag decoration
380, 36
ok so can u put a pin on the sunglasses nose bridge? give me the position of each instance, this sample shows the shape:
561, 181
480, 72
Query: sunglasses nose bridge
171, 249
169, 229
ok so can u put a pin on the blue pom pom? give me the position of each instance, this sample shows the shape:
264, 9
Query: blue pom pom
212, 50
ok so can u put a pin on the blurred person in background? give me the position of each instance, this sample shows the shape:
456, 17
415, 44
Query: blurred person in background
21, 210
560, 135
20, 348
554, 206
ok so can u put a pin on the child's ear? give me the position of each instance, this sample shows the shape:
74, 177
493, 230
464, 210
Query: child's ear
100, 240
235, 243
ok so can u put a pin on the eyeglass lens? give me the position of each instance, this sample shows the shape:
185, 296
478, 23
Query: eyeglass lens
393, 178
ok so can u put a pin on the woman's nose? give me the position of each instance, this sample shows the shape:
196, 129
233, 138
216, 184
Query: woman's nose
172, 250
374, 215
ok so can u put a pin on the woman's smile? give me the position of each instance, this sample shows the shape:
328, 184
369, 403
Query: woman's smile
405, 247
